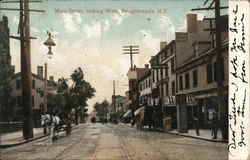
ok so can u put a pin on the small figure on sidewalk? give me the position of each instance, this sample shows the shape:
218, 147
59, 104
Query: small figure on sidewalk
196, 124
215, 123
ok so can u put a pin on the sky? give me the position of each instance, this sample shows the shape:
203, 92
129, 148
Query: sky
94, 41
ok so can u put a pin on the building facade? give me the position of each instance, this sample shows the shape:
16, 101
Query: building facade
197, 82
37, 90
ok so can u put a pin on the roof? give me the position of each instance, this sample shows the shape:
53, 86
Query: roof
147, 74
155, 56
35, 76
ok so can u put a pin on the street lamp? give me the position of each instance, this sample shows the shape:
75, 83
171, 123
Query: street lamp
49, 42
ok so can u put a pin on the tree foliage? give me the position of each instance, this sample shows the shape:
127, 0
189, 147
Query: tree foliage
102, 109
5, 71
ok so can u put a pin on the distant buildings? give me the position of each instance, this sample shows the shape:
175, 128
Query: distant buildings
37, 90
182, 80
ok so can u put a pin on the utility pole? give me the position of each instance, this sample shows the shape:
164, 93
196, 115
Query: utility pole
220, 87
132, 50
24, 30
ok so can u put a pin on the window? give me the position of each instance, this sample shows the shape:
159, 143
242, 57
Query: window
209, 73
18, 84
180, 83
172, 65
216, 68
173, 87
187, 81
146, 83
149, 82
153, 76
195, 78
33, 102
166, 70
167, 91
157, 75
196, 49
33, 84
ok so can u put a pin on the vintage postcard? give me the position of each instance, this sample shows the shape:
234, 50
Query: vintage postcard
124, 79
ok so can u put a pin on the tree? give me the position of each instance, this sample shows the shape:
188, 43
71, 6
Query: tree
5, 71
80, 92
62, 85
102, 109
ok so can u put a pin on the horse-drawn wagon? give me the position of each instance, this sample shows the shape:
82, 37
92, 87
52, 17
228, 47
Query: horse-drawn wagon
144, 117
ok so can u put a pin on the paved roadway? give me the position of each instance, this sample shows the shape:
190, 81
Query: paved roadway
110, 141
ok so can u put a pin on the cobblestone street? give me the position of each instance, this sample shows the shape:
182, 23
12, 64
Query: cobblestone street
108, 141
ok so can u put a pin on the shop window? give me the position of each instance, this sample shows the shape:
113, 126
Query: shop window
180, 83
187, 81
195, 78
209, 74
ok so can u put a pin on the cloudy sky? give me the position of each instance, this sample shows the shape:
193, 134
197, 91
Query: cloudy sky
94, 41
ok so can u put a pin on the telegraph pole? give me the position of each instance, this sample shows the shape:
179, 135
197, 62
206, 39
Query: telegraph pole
131, 50
220, 87
24, 30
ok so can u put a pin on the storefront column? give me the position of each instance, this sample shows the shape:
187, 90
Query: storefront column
182, 125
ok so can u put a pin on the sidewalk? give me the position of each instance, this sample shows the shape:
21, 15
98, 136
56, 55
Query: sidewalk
205, 134
16, 138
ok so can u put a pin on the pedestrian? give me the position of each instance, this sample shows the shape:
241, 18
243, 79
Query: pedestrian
196, 124
215, 124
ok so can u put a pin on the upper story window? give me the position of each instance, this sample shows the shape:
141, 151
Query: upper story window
187, 81
180, 83
173, 87
18, 84
222, 70
209, 73
195, 78
196, 49
33, 84
166, 70
172, 66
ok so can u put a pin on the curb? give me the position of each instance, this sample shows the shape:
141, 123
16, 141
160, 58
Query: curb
4, 146
205, 139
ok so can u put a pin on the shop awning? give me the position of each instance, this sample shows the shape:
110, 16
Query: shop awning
206, 95
138, 110
128, 114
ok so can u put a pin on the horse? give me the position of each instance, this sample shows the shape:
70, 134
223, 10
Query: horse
53, 122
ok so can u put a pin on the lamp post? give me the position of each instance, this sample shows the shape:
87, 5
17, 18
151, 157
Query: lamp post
49, 42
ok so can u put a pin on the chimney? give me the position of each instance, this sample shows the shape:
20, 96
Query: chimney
147, 66
51, 78
192, 23
162, 45
40, 71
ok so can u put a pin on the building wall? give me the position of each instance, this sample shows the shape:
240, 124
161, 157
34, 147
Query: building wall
184, 41
202, 76
39, 87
